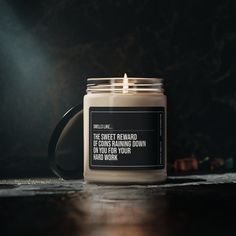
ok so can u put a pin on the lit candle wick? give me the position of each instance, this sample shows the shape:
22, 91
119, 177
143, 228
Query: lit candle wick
125, 84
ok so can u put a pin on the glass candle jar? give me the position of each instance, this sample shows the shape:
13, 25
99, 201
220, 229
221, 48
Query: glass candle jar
124, 130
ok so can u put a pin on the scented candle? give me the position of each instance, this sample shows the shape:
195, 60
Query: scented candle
124, 130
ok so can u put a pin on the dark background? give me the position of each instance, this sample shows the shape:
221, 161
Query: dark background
48, 48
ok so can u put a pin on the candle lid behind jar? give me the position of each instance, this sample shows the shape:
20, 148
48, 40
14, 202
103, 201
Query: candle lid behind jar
65, 150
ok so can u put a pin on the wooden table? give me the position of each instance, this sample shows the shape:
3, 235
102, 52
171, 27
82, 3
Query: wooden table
190, 205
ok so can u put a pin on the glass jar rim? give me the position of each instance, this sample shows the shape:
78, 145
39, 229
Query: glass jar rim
120, 84
146, 79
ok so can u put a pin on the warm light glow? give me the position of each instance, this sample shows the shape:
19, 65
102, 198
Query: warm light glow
125, 83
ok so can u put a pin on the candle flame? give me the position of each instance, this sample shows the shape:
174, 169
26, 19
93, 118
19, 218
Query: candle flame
125, 83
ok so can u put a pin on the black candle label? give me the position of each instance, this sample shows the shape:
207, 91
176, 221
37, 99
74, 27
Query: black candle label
127, 137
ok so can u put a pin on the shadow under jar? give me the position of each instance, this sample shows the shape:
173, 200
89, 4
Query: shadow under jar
125, 131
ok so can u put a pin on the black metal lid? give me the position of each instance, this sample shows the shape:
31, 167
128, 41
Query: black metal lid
65, 150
